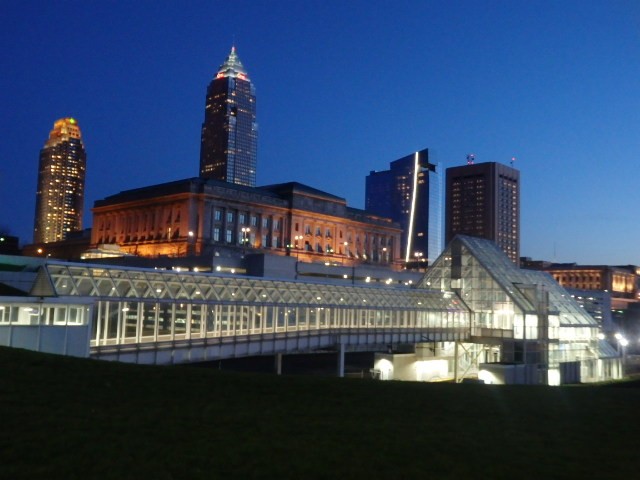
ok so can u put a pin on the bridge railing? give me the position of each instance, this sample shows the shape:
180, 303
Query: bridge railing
216, 347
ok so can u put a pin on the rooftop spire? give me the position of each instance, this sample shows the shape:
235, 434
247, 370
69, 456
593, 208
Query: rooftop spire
232, 67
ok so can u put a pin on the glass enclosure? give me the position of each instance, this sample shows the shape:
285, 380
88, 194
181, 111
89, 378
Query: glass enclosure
135, 305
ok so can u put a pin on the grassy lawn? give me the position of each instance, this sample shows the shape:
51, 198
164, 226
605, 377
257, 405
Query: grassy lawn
70, 418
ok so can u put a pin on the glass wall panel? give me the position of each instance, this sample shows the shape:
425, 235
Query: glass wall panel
96, 322
165, 319
311, 317
76, 315
54, 315
386, 315
180, 322
196, 320
282, 317
330, 317
269, 320
362, 318
257, 315
149, 320
213, 320
531, 327
293, 317
226, 319
242, 320
129, 315
112, 326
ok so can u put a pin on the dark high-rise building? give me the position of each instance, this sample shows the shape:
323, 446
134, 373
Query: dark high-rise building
409, 193
228, 148
483, 200
61, 176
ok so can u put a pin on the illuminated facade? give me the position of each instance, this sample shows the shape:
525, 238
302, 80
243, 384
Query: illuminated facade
410, 193
619, 283
61, 177
203, 217
622, 282
483, 200
610, 293
228, 148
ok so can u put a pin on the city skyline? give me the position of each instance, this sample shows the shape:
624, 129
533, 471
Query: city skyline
344, 89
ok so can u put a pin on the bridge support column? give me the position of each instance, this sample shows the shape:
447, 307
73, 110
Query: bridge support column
340, 359
455, 362
278, 363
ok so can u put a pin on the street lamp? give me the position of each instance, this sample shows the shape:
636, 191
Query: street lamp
245, 235
190, 246
622, 345
297, 238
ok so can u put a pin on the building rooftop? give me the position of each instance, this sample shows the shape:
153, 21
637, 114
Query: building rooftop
526, 289
292, 188
232, 67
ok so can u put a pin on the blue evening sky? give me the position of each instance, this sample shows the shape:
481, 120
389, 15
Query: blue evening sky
343, 88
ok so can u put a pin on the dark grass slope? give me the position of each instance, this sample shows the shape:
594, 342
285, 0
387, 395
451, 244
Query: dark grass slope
69, 418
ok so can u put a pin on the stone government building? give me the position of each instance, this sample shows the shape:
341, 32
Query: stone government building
200, 216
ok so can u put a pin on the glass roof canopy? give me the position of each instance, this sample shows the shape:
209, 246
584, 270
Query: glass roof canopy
511, 281
67, 279
483, 278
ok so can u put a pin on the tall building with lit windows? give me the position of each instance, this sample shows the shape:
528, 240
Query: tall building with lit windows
483, 200
61, 177
228, 148
410, 194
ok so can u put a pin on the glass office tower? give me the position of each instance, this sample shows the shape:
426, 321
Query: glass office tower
410, 194
228, 148
61, 177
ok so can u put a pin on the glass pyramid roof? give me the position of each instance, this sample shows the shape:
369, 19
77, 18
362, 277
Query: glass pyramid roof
453, 270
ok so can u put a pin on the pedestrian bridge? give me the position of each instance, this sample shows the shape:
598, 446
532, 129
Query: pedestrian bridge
167, 317
207, 348
472, 297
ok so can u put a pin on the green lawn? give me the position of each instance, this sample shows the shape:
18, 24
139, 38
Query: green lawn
70, 418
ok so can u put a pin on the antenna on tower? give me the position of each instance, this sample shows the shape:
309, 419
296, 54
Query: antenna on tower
470, 159
513, 159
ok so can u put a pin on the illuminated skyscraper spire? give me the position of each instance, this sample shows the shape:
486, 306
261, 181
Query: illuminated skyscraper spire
61, 177
228, 147
232, 67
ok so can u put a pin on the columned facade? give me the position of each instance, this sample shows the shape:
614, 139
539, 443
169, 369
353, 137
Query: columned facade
200, 216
